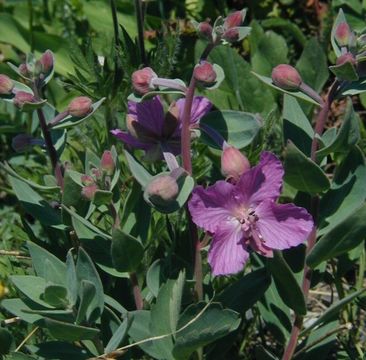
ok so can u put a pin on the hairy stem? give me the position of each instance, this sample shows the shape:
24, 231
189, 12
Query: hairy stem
140, 31
319, 128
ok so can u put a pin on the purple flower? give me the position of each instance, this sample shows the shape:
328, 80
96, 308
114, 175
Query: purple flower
245, 216
150, 129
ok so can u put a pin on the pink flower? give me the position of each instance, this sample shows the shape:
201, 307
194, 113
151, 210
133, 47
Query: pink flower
245, 216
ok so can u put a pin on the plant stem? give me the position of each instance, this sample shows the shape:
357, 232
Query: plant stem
140, 30
31, 35
136, 291
319, 128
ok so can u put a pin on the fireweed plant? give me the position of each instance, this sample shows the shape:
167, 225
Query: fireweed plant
257, 237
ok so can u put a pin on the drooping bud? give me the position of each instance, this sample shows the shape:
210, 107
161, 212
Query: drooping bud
204, 30
107, 162
80, 106
233, 163
342, 34
6, 85
141, 80
89, 191
205, 73
347, 57
87, 180
162, 190
231, 35
22, 97
286, 77
234, 19
46, 61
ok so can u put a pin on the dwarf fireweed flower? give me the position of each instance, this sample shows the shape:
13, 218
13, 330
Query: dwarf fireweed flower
154, 131
244, 216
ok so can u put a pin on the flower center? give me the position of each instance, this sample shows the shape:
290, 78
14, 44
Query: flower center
247, 219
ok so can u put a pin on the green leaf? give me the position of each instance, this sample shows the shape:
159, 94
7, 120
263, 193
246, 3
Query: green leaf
35, 205
207, 327
18, 356
154, 277
236, 127
6, 340
56, 296
296, 93
165, 314
40, 257
286, 284
59, 350
241, 295
85, 270
69, 332
71, 278
102, 197
333, 311
138, 171
87, 292
23, 309
119, 335
70, 121
126, 251
347, 136
343, 237
296, 126
262, 354
302, 173
345, 71
339, 19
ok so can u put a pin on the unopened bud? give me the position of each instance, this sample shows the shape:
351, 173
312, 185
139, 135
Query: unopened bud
97, 173
343, 34
204, 30
286, 77
234, 19
141, 80
162, 190
347, 57
23, 70
22, 97
89, 191
87, 180
80, 106
231, 35
205, 73
46, 61
233, 163
6, 85
107, 162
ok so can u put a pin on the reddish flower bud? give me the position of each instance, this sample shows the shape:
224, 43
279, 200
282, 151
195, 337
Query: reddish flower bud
141, 80
233, 163
286, 77
347, 57
107, 162
89, 191
23, 70
97, 173
162, 189
87, 180
46, 61
22, 97
6, 85
342, 34
234, 19
205, 73
204, 30
80, 106
231, 35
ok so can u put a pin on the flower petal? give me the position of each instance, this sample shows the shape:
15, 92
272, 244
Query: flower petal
283, 225
261, 182
149, 113
130, 140
227, 254
209, 207
200, 107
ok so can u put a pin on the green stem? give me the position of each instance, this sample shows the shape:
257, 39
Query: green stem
140, 31
31, 35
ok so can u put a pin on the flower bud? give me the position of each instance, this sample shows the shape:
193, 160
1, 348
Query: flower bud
87, 180
233, 163
80, 106
22, 97
231, 35
205, 73
107, 162
24, 71
46, 61
342, 34
97, 173
6, 85
347, 57
141, 80
162, 189
286, 77
204, 30
89, 191
234, 19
